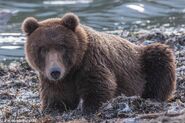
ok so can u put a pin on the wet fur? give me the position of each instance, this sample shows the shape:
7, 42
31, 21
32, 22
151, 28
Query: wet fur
159, 68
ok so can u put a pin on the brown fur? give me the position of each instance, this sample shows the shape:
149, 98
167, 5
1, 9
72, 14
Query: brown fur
98, 66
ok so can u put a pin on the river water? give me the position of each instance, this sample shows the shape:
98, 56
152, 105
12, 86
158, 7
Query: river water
103, 15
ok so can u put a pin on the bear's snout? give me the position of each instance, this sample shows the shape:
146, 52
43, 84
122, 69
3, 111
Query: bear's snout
54, 69
55, 73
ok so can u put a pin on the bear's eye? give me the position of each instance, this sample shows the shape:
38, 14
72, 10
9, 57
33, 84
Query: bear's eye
62, 47
42, 51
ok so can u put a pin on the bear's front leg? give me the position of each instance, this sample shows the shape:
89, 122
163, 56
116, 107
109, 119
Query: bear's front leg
57, 97
96, 89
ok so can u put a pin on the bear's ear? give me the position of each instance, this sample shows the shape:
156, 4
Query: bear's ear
29, 25
71, 21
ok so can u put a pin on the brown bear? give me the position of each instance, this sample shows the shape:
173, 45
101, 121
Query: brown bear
76, 62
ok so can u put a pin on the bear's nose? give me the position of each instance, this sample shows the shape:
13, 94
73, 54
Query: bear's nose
55, 74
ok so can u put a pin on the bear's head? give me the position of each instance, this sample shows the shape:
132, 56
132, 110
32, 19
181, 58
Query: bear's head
54, 46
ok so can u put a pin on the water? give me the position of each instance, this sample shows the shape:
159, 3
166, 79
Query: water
103, 15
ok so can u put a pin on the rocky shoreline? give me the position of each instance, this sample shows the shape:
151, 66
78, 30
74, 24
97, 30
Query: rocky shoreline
19, 96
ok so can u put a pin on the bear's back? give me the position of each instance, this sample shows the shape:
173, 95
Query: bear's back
118, 55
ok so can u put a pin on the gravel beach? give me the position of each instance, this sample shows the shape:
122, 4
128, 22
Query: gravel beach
19, 90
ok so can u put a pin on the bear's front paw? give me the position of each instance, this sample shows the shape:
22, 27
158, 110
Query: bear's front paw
54, 109
51, 111
89, 110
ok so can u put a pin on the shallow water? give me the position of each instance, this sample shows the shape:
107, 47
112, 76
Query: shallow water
103, 15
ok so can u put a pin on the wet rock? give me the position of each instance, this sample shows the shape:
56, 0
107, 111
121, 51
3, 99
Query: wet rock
6, 96
156, 37
2, 72
123, 107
